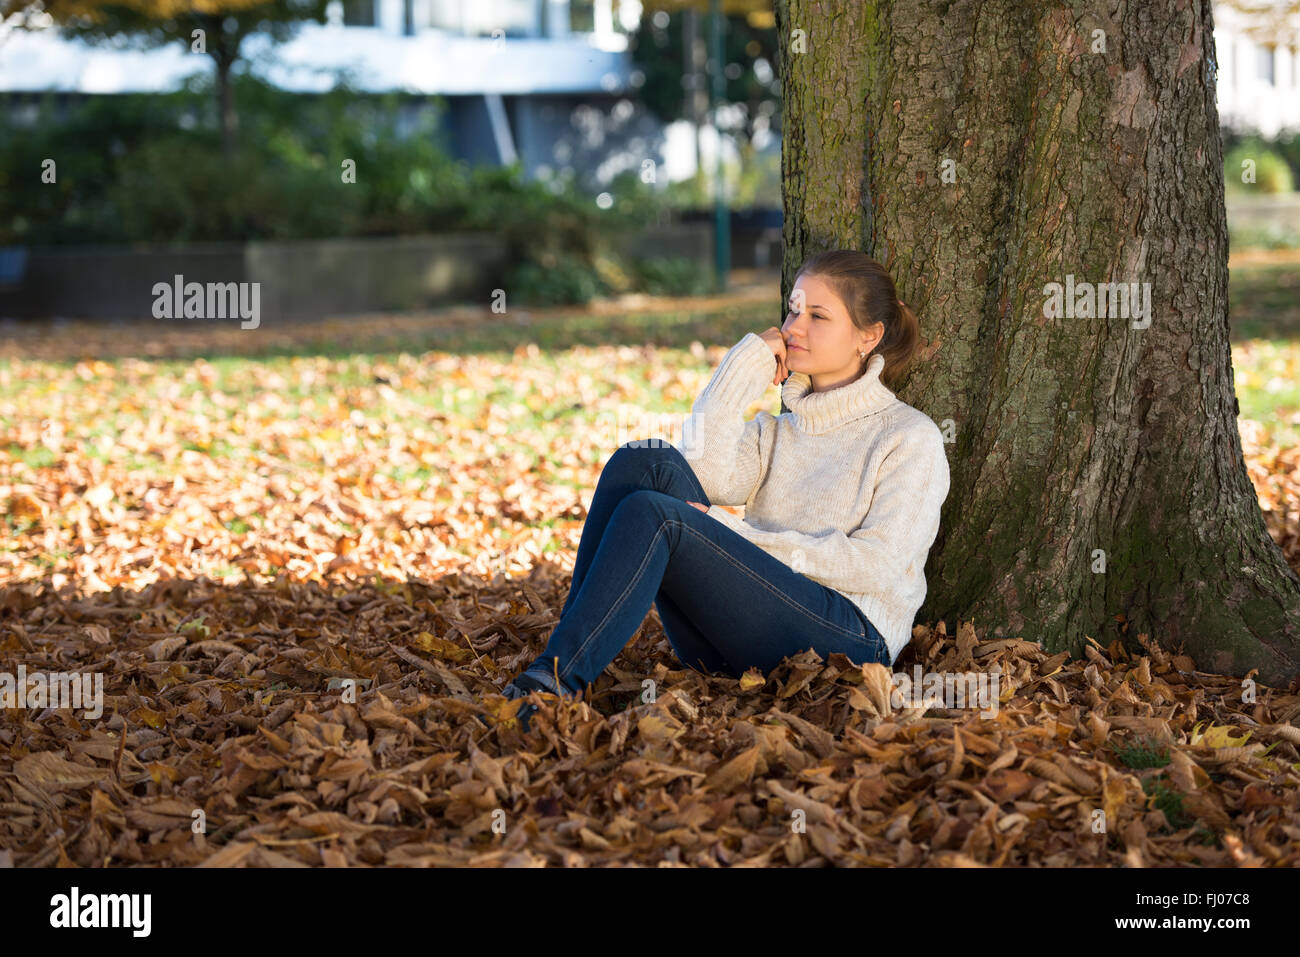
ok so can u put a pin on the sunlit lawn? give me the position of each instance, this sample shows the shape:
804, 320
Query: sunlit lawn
1264, 319
431, 443
501, 425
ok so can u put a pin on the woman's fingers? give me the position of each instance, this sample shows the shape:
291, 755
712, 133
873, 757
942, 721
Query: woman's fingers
776, 342
700, 506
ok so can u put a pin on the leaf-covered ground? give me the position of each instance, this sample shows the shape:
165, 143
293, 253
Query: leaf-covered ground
228, 524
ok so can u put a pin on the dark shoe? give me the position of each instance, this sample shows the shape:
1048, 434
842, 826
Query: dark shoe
521, 687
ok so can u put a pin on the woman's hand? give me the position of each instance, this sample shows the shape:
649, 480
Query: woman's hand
772, 336
702, 508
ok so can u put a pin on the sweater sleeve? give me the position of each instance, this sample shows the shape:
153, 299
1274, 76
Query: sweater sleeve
722, 448
899, 529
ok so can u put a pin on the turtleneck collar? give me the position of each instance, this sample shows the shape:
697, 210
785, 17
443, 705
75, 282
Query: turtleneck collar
817, 412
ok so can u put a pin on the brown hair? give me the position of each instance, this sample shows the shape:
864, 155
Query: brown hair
868, 294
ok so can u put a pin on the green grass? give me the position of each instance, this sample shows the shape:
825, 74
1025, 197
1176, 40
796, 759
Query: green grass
1264, 320
1149, 753
18, 526
1272, 236
1264, 302
1264, 316
1142, 753
1268, 389
1168, 801
243, 378
36, 457
496, 335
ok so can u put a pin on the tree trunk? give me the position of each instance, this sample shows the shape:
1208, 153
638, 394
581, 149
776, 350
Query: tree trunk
1098, 487
226, 103
224, 47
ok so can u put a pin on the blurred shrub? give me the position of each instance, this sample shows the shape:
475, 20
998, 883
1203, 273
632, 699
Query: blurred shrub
142, 167
615, 274
86, 145
540, 222
151, 168
1285, 144
1272, 174
566, 280
675, 276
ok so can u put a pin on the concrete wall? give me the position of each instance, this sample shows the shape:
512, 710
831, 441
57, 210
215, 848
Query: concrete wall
113, 281
341, 276
300, 279
1262, 211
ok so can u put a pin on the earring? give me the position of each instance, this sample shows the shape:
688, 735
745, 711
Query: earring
861, 354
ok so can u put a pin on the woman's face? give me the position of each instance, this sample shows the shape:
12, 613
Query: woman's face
820, 338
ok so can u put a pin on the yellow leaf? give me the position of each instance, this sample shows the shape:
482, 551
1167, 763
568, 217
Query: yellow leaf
752, 679
1218, 736
47, 772
440, 647
148, 717
158, 771
24, 506
735, 772
656, 729
196, 629
1112, 798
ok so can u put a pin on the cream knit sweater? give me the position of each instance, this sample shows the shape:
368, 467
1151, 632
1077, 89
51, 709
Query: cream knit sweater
845, 488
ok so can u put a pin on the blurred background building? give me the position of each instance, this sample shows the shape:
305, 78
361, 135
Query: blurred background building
545, 97
1258, 69
564, 90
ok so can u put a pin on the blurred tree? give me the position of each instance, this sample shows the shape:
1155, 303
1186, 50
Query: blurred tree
215, 27
669, 47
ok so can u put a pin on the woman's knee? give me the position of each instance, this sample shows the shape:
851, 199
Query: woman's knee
650, 507
642, 500
640, 459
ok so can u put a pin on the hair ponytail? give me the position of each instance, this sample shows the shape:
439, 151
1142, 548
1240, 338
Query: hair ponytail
900, 352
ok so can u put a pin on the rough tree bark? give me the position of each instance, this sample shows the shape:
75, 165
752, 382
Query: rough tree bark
1083, 140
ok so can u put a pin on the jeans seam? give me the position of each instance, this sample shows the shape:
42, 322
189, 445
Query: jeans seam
636, 579
869, 627
670, 461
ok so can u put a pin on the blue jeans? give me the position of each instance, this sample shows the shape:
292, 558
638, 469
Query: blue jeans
726, 605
